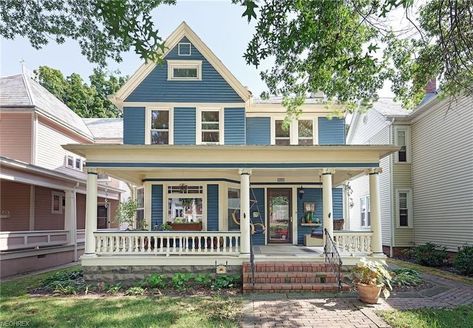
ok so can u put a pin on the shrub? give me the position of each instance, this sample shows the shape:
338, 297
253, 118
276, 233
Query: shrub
155, 281
135, 291
406, 277
114, 289
226, 281
180, 281
430, 254
463, 262
203, 279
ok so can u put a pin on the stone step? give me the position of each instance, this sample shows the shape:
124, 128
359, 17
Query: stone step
287, 267
291, 277
293, 287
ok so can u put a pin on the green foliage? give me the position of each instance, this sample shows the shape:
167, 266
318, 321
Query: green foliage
114, 289
373, 273
463, 262
85, 100
406, 277
226, 281
165, 227
203, 279
156, 281
430, 254
135, 291
180, 281
64, 283
126, 212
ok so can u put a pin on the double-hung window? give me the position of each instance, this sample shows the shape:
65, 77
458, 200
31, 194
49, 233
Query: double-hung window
140, 206
402, 139
306, 132
160, 127
404, 208
365, 212
210, 126
282, 133
57, 202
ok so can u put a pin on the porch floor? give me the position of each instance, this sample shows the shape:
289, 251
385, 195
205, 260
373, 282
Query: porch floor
287, 252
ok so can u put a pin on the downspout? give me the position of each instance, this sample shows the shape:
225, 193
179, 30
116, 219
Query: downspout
391, 191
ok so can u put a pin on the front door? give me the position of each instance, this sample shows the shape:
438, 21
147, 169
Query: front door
279, 218
102, 217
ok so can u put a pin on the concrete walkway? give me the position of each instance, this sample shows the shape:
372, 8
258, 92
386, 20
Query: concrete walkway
292, 310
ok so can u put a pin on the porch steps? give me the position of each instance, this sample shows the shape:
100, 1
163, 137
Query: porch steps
274, 277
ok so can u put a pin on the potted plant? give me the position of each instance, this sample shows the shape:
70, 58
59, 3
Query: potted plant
371, 278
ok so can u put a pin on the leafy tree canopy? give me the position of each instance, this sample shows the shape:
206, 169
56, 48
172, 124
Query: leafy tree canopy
345, 48
86, 100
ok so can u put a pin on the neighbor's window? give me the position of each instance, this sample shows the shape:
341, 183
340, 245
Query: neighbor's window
210, 129
402, 140
78, 164
365, 211
282, 133
184, 70
70, 161
160, 127
404, 208
140, 205
233, 209
184, 49
57, 202
306, 132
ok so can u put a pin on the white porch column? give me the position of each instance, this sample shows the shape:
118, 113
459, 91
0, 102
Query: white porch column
327, 200
245, 211
70, 219
375, 207
91, 212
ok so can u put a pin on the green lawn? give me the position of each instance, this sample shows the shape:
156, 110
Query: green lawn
461, 317
123, 311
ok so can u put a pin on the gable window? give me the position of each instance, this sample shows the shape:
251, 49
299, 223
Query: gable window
70, 161
183, 70
404, 208
306, 132
210, 126
365, 212
57, 202
402, 140
184, 49
160, 127
282, 134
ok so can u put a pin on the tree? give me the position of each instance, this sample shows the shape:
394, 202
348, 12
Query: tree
85, 100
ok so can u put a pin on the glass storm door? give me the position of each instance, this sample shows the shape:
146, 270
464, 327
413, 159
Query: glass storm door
102, 217
279, 219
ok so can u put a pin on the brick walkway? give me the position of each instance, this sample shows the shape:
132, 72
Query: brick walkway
282, 310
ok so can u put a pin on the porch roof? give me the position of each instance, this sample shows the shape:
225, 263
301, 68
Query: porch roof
135, 163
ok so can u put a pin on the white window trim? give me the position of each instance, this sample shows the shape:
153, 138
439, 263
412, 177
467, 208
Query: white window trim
66, 164
368, 205
61, 201
409, 209
73, 166
184, 64
407, 131
81, 166
198, 129
148, 124
294, 129
314, 141
179, 49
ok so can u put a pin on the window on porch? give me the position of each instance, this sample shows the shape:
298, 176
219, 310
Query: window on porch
233, 209
185, 204
140, 205
365, 212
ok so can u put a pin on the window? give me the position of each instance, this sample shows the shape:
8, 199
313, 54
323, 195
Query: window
402, 140
185, 204
140, 206
233, 209
210, 126
306, 132
73, 162
160, 127
184, 49
57, 202
70, 161
184, 70
365, 211
404, 208
185, 189
282, 133
78, 164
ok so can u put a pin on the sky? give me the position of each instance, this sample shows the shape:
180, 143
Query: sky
218, 23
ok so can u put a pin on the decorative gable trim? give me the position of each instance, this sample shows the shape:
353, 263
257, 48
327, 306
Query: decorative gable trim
183, 30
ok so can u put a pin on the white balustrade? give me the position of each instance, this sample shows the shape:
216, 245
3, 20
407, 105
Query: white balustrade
353, 242
13, 240
167, 243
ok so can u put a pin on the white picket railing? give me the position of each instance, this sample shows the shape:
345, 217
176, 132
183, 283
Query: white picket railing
167, 243
353, 242
14, 240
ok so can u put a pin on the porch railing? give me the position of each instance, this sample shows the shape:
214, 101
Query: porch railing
353, 242
333, 258
167, 243
15, 240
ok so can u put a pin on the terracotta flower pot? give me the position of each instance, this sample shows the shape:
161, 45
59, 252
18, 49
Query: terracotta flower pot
369, 293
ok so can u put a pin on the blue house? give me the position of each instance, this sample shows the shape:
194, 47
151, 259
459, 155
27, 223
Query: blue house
219, 175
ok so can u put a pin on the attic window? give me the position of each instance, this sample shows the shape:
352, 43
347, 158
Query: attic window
184, 49
183, 70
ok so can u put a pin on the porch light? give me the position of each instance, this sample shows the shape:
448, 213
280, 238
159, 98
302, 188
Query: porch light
300, 192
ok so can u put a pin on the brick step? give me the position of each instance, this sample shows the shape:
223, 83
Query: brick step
294, 287
287, 267
291, 277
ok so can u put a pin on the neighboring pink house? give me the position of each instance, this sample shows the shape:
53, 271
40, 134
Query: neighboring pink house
42, 186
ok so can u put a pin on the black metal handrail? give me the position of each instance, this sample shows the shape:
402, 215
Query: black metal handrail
332, 257
252, 261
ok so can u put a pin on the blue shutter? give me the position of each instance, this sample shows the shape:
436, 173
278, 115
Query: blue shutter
331, 132
156, 207
234, 124
134, 125
258, 131
184, 125
212, 207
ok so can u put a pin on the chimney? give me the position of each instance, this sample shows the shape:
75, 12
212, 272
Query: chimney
431, 87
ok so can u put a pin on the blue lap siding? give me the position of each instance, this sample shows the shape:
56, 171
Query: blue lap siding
156, 207
331, 131
184, 125
212, 207
234, 125
134, 125
258, 131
